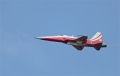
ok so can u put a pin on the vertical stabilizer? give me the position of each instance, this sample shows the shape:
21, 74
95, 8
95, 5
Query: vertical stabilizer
97, 38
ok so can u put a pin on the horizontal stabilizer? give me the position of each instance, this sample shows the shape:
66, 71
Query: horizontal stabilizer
98, 46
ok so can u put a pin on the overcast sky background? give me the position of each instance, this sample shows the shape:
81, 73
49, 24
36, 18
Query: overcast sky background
23, 55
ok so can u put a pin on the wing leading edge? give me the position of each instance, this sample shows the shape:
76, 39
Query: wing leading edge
83, 38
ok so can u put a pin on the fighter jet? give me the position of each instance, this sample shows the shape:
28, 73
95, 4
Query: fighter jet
78, 42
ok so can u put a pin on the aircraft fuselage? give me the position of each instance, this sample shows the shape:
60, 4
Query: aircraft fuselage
79, 43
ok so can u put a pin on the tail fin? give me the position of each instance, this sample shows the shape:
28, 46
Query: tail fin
97, 38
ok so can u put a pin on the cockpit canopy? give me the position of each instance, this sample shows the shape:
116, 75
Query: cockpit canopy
58, 36
64, 35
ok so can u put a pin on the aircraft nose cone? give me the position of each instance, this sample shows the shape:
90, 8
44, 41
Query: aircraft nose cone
38, 37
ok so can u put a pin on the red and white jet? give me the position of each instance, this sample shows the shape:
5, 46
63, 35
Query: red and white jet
79, 43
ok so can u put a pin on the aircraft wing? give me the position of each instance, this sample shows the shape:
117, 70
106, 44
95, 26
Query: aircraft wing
83, 38
78, 47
